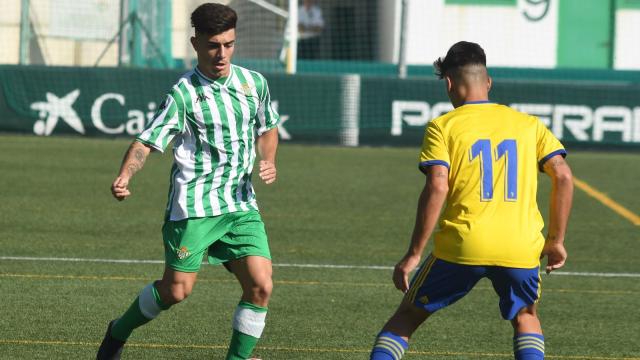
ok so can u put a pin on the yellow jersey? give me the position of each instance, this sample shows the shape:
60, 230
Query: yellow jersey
493, 154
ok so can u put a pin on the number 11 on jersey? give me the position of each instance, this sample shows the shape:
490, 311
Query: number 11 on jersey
507, 148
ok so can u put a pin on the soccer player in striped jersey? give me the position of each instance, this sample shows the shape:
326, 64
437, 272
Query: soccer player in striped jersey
216, 116
481, 159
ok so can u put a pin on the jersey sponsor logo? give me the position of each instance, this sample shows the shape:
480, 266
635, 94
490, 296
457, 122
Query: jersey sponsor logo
578, 122
57, 108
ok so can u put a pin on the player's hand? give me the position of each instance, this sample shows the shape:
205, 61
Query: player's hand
120, 188
267, 171
402, 270
556, 255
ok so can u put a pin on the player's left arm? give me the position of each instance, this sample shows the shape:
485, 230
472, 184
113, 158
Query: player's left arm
267, 144
430, 204
560, 207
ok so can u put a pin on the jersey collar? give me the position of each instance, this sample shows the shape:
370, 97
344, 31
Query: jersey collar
477, 102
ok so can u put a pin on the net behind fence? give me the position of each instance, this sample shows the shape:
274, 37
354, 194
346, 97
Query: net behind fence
92, 63
87, 33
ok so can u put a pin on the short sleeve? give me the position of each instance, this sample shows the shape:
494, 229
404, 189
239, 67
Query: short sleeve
434, 150
547, 145
166, 123
266, 117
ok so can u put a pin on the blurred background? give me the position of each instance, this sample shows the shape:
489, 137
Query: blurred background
351, 72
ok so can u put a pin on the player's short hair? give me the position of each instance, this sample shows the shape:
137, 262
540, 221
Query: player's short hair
461, 54
213, 19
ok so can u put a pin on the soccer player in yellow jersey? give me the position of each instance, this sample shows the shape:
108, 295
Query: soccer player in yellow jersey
481, 159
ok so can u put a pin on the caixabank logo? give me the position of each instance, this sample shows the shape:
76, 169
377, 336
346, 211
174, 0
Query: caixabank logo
60, 109
57, 109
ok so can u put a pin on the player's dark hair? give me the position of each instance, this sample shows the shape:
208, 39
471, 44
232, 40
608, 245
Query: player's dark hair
461, 54
213, 19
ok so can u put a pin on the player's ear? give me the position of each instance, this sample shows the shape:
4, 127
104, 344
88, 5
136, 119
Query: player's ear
489, 83
449, 83
193, 42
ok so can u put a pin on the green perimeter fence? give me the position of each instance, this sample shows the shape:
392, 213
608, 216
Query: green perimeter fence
346, 109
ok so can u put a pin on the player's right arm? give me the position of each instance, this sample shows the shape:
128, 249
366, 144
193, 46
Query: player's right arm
430, 203
560, 207
132, 162
166, 123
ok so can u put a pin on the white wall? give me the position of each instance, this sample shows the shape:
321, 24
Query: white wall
509, 39
10, 33
627, 40
54, 31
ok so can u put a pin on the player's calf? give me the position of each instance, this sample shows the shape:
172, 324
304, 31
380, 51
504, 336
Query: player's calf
144, 308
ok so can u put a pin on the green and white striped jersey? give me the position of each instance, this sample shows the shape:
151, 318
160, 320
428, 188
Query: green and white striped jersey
214, 124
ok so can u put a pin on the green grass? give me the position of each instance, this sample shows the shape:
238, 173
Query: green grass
330, 205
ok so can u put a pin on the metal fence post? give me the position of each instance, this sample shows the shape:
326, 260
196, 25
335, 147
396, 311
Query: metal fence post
25, 33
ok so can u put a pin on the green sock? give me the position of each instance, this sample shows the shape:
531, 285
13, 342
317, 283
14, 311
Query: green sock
144, 309
248, 323
242, 346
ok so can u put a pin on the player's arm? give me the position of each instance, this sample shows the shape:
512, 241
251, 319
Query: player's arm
430, 203
560, 207
132, 162
267, 144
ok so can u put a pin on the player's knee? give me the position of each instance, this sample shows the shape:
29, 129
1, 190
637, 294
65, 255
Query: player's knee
175, 293
178, 295
525, 316
262, 291
406, 320
413, 315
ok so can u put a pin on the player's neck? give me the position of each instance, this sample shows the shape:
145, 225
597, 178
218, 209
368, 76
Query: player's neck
475, 97
465, 94
214, 76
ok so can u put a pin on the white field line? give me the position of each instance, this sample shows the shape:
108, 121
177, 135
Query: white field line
311, 266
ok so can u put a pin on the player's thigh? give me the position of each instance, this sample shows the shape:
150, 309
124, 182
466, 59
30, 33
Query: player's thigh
185, 241
440, 283
246, 237
517, 289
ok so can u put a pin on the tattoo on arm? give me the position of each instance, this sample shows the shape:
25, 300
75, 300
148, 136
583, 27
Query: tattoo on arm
554, 164
134, 160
